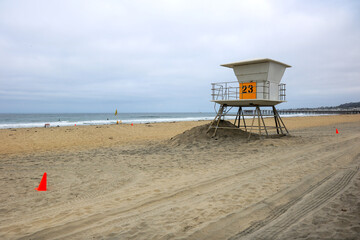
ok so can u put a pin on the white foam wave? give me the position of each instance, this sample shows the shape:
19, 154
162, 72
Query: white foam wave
98, 122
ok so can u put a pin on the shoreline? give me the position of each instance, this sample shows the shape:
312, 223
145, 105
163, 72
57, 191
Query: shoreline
67, 123
83, 119
30, 140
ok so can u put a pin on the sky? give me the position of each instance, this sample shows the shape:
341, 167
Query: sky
162, 56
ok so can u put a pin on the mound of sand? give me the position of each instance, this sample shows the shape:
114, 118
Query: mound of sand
200, 134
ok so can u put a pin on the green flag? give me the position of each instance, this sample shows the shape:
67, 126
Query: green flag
115, 112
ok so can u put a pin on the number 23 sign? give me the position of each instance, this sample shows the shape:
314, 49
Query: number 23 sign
248, 90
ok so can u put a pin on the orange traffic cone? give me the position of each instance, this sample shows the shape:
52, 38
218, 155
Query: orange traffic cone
42, 185
337, 132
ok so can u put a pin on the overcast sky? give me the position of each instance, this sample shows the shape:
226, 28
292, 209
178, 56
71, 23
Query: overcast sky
162, 56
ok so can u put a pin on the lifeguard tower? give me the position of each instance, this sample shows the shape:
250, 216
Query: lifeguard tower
258, 85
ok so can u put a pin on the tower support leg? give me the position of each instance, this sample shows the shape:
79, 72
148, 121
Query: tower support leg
276, 120
258, 116
243, 117
262, 119
257, 113
237, 118
252, 124
280, 120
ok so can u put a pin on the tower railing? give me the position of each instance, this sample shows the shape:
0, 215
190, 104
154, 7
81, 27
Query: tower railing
282, 91
231, 91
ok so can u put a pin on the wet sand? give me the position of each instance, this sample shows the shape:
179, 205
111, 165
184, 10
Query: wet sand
124, 182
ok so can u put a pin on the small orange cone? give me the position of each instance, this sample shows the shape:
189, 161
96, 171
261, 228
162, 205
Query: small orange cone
42, 185
337, 132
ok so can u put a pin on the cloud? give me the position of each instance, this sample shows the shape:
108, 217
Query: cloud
163, 55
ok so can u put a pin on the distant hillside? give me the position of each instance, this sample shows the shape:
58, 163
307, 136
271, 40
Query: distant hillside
349, 105
341, 106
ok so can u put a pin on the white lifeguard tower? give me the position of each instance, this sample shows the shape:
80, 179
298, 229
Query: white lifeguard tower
258, 86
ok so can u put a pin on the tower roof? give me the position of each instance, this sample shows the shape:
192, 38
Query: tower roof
253, 61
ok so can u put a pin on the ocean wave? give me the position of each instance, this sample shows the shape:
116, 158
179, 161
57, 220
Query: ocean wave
99, 122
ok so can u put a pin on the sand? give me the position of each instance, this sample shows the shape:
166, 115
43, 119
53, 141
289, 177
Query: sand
167, 181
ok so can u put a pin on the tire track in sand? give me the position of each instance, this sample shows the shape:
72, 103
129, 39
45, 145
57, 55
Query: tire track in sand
285, 216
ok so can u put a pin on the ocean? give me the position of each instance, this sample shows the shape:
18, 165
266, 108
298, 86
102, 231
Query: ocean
80, 119
70, 119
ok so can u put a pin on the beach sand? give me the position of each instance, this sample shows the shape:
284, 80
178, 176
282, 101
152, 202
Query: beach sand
167, 181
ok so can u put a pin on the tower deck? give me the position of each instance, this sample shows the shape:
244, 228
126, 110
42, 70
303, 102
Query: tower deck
248, 102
